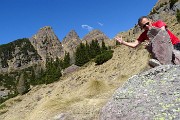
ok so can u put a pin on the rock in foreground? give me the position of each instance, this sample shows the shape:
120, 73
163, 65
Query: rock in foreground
154, 94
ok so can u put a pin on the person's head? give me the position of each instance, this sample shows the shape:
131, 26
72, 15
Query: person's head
144, 23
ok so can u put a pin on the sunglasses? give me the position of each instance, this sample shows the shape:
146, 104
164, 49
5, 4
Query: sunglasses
145, 25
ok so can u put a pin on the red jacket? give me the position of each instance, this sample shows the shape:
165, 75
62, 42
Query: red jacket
159, 24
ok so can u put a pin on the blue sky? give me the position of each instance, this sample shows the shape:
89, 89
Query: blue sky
23, 18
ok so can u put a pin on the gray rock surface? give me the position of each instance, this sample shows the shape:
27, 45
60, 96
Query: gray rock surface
154, 94
70, 69
17, 55
162, 48
70, 43
47, 44
96, 35
176, 6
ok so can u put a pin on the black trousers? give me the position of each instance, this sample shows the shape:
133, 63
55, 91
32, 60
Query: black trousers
177, 46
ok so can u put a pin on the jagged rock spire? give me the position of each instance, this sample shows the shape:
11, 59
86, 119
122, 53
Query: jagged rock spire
47, 44
70, 43
72, 36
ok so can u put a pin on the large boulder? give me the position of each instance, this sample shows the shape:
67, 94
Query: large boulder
154, 94
162, 48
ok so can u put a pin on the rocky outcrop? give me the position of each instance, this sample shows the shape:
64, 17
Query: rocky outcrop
70, 69
161, 45
47, 44
17, 55
70, 43
164, 7
166, 11
96, 35
153, 94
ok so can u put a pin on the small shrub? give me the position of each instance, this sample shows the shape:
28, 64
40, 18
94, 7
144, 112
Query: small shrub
178, 15
117, 43
2, 106
172, 2
100, 59
162, 4
153, 11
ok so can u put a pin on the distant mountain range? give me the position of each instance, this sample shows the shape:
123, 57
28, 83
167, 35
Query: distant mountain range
32, 54
44, 44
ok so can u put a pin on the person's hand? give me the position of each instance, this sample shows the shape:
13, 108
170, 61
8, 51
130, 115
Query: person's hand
146, 43
119, 39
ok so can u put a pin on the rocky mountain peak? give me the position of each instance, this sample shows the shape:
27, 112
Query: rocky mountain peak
72, 36
70, 43
47, 43
46, 28
96, 35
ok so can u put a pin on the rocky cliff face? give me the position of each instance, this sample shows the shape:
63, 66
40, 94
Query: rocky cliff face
47, 44
96, 35
166, 10
18, 54
23, 53
70, 43
27, 55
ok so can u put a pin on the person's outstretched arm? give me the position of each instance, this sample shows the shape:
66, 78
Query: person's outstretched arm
130, 44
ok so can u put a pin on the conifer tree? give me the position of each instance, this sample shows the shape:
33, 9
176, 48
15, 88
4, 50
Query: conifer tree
94, 49
23, 85
100, 59
66, 62
52, 73
178, 15
33, 77
26, 82
88, 51
103, 48
81, 56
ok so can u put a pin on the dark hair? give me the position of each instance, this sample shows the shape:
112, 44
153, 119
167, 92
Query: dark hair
140, 19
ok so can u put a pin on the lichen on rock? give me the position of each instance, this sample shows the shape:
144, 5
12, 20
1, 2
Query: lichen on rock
153, 94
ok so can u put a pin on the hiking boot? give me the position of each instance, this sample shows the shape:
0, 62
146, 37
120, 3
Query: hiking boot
154, 63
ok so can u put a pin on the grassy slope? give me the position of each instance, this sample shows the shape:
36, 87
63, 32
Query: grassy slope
81, 94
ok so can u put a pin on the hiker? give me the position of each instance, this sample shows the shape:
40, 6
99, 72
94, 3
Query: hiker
169, 55
146, 24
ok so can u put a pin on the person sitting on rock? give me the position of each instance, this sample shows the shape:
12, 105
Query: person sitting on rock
146, 24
